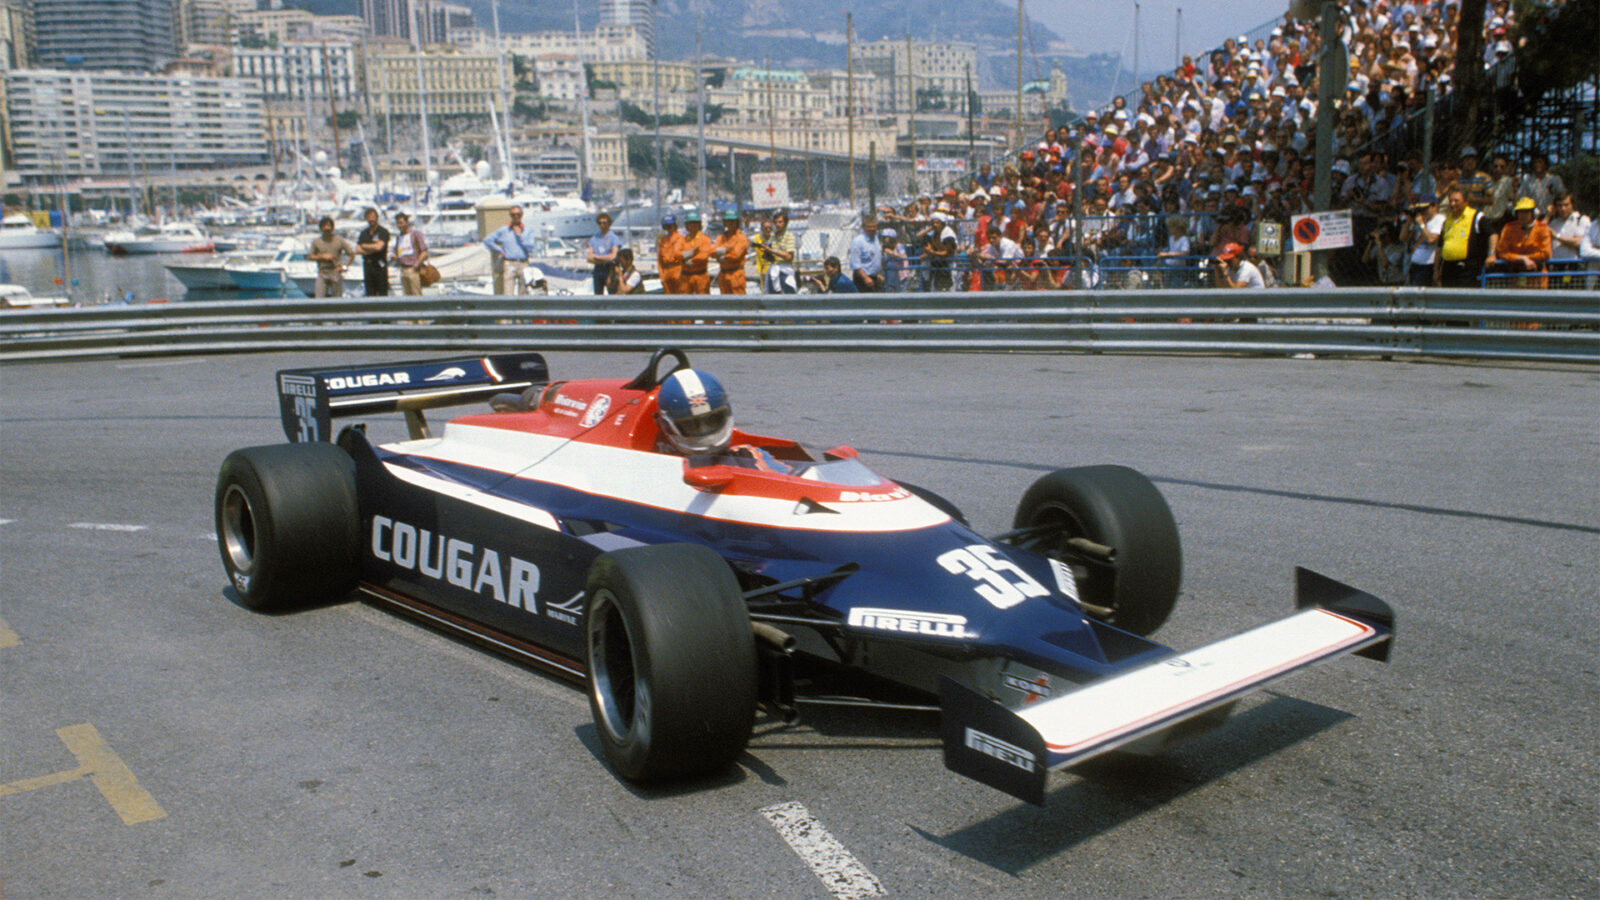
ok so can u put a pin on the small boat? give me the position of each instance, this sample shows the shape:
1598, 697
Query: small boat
15, 296
202, 274
173, 237
17, 232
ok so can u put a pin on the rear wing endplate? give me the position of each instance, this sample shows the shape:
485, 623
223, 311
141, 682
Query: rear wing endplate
1015, 751
310, 399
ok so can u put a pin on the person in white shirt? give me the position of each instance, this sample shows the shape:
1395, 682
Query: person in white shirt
1236, 271
1567, 229
1422, 232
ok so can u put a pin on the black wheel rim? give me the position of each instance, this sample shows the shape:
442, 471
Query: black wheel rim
621, 697
1097, 584
239, 530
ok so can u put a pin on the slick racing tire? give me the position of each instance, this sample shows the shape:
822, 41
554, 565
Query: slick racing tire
287, 525
671, 662
1120, 508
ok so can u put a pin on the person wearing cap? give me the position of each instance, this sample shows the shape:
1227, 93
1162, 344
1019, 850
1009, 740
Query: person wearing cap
1237, 272
669, 255
730, 250
1474, 181
866, 257
602, 253
1522, 246
696, 256
1421, 233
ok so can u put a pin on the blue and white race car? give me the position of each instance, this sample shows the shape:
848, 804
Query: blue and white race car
690, 593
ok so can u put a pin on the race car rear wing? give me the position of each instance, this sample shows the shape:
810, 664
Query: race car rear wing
1016, 750
309, 399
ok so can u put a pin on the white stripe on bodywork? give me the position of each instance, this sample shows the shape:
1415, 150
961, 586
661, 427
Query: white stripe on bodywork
1103, 712
500, 505
655, 480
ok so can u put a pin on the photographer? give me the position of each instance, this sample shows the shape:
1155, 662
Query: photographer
1236, 271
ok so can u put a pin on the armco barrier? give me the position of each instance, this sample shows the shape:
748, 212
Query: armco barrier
1474, 324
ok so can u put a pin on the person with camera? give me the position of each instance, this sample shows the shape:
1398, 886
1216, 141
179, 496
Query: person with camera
1236, 272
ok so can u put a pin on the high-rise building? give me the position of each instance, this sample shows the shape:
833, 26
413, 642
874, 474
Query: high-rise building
88, 124
421, 21
16, 34
205, 21
638, 13
130, 35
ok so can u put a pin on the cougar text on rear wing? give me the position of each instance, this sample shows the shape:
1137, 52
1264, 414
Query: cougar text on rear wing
309, 399
1016, 750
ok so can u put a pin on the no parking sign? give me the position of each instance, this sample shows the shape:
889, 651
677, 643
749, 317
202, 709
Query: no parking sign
1321, 231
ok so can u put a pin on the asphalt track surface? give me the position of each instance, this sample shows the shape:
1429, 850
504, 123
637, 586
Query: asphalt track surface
159, 740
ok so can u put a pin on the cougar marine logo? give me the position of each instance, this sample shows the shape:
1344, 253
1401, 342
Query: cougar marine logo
450, 374
356, 382
510, 580
905, 622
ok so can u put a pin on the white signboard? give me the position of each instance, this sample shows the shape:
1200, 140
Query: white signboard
954, 165
769, 189
1321, 231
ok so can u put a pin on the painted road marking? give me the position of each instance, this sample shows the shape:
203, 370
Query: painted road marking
6, 521
8, 638
106, 526
842, 874
106, 771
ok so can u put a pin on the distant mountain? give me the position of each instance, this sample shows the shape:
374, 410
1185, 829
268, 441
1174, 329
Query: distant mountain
797, 35
761, 28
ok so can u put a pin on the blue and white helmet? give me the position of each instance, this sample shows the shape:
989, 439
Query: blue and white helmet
693, 412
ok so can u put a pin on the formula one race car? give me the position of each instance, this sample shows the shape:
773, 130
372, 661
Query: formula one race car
690, 591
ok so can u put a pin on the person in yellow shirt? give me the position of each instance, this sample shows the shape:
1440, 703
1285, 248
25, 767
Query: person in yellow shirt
669, 256
730, 250
1462, 244
763, 260
696, 256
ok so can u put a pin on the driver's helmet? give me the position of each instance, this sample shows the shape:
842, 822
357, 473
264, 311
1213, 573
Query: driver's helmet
693, 411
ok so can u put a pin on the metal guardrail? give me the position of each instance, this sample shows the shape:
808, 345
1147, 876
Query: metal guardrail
1394, 322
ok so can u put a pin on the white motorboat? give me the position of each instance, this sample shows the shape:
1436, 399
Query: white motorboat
208, 274
17, 232
173, 237
15, 296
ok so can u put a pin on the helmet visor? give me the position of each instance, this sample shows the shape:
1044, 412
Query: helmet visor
704, 424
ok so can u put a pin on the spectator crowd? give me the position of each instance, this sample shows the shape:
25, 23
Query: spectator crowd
1170, 188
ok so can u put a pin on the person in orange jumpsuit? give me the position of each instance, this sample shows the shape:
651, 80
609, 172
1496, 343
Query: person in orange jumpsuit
1523, 245
730, 250
696, 256
669, 256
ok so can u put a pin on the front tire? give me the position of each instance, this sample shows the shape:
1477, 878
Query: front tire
1120, 508
287, 525
671, 662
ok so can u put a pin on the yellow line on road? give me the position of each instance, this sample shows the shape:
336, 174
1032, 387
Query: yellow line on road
8, 638
105, 770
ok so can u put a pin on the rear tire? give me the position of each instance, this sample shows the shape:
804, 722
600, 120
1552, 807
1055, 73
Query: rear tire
1118, 507
671, 662
288, 525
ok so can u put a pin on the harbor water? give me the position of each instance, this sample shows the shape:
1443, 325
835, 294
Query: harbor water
96, 276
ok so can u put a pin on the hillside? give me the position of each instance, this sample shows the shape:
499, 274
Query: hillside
790, 35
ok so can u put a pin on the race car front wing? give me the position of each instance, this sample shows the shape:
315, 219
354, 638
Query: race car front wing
1015, 750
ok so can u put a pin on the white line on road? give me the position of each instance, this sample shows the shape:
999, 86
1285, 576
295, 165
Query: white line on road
161, 362
842, 874
6, 521
105, 526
